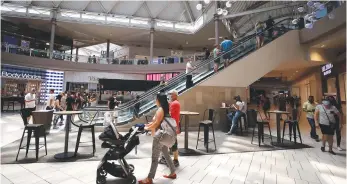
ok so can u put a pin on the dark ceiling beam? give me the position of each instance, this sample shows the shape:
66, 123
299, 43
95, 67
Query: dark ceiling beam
189, 11
102, 7
56, 5
148, 11
142, 3
86, 6
164, 8
236, 19
112, 7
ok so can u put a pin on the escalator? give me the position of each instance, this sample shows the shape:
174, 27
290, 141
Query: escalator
202, 71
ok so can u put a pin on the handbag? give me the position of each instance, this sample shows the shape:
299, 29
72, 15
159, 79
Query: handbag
331, 125
165, 138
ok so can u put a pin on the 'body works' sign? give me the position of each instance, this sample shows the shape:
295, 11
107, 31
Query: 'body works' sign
19, 75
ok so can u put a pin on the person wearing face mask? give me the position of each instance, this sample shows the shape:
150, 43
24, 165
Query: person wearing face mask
324, 115
309, 107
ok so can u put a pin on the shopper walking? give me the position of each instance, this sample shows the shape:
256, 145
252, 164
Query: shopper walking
175, 109
309, 107
259, 30
50, 100
189, 77
161, 115
226, 49
339, 122
58, 107
30, 104
216, 53
269, 26
325, 114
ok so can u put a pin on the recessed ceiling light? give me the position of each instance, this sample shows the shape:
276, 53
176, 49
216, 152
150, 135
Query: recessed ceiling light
322, 46
297, 71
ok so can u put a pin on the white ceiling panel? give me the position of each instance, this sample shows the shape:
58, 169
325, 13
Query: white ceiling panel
95, 6
126, 7
192, 5
47, 4
74, 5
157, 7
142, 12
173, 13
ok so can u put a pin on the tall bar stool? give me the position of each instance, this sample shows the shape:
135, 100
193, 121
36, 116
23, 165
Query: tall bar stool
244, 118
207, 123
29, 129
260, 125
82, 127
293, 126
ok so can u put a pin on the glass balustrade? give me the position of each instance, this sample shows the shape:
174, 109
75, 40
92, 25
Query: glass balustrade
14, 49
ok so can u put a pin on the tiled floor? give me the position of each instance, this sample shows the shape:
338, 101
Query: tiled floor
307, 166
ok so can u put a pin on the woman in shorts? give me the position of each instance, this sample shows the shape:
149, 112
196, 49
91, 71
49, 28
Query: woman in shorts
325, 114
216, 53
259, 30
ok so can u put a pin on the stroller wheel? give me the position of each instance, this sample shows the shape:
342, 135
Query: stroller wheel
131, 167
132, 179
100, 180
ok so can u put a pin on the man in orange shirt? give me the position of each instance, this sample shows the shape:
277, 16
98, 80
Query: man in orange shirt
175, 109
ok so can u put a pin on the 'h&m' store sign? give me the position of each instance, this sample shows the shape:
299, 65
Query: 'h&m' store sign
20, 75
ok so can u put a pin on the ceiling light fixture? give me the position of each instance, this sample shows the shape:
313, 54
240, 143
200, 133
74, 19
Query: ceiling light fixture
312, 8
297, 71
322, 46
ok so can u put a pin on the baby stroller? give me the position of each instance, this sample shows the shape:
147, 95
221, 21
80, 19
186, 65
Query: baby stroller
119, 146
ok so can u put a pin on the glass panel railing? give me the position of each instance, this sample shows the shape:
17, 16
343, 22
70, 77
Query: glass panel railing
33, 52
127, 112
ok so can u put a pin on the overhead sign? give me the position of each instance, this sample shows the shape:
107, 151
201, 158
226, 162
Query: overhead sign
93, 79
326, 69
20, 75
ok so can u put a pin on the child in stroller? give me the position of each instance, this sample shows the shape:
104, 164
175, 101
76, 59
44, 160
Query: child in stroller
119, 146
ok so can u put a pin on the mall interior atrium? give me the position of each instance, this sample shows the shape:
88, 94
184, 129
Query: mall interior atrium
173, 92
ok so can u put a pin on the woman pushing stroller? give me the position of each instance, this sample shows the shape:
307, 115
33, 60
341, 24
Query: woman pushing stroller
163, 130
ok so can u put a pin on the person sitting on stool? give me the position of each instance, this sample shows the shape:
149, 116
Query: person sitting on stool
234, 116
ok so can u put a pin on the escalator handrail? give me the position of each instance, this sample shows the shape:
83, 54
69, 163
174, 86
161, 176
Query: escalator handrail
197, 67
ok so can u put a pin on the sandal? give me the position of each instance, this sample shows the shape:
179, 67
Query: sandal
146, 181
171, 176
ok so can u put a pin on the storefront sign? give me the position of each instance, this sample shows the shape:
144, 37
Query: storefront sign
20, 75
93, 79
326, 69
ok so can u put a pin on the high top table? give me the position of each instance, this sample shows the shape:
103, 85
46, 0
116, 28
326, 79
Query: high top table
186, 151
278, 125
66, 154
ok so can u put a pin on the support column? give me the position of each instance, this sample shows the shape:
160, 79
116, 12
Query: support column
216, 28
51, 43
76, 57
151, 42
71, 52
108, 52
108, 49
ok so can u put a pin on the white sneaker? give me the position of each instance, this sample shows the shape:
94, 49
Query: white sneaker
339, 148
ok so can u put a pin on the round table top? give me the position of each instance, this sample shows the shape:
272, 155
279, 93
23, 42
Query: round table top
42, 110
189, 113
279, 112
226, 107
68, 112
